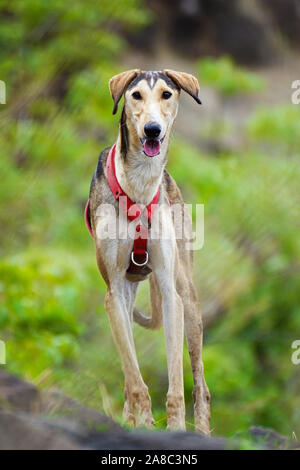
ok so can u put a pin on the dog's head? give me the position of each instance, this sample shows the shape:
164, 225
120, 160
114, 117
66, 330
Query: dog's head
151, 103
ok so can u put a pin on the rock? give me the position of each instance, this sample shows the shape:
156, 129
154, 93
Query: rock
55, 402
157, 441
22, 432
16, 393
272, 439
30, 419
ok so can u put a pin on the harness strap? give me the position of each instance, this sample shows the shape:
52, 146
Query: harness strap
87, 218
139, 255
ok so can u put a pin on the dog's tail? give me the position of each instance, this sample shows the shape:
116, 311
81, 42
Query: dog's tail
152, 323
155, 321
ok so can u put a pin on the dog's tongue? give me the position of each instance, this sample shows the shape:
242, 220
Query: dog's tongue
151, 147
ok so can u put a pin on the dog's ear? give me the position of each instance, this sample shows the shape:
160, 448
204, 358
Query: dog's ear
187, 82
118, 85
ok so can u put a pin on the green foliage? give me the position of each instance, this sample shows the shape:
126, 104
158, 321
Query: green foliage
39, 313
279, 125
226, 77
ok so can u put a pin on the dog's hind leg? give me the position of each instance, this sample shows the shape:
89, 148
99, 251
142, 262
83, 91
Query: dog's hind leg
172, 309
193, 326
137, 399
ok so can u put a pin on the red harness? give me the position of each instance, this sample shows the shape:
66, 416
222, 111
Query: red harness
139, 255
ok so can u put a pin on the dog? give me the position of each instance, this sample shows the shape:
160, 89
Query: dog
131, 178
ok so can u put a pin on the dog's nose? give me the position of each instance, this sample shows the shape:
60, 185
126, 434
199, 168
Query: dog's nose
152, 130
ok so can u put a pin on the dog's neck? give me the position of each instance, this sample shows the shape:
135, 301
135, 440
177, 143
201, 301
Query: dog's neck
139, 175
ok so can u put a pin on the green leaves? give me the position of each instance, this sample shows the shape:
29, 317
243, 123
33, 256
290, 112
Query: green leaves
41, 301
227, 78
277, 125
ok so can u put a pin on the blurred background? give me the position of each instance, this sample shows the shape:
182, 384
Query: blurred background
238, 154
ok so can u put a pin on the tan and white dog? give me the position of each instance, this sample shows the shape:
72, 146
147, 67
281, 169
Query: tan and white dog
139, 160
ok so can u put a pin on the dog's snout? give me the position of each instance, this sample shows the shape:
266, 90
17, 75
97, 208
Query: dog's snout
152, 130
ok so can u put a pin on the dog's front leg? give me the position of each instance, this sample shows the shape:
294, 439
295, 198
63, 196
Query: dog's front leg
173, 329
137, 399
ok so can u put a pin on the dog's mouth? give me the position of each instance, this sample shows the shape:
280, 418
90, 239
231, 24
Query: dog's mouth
151, 147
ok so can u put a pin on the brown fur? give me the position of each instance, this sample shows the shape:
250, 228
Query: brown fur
118, 84
185, 81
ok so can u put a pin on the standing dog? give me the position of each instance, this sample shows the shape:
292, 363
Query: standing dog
131, 178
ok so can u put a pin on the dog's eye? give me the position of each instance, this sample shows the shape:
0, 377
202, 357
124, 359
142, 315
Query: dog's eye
136, 95
166, 95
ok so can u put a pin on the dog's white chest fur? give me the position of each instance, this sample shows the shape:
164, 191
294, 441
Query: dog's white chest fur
140, 176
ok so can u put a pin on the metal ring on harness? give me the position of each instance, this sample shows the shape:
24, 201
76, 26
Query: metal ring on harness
139, 264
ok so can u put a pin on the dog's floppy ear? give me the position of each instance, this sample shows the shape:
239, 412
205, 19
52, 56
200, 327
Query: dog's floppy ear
118, 84
187, 82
